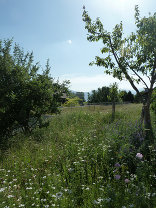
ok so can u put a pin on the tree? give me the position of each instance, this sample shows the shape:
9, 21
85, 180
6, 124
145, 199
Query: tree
99, 96
127, 96
26, 95
128, 58
76, 95
138, 97
113, 97
81, 96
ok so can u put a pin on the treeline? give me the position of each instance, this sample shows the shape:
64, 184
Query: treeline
103, 95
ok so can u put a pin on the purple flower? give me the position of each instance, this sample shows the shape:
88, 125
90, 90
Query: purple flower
127, 180
117, 165
117, 177
139, 155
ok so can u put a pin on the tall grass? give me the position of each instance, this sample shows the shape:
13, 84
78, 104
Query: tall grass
81, 160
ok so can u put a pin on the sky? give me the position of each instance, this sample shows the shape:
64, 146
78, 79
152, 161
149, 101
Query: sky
54, 30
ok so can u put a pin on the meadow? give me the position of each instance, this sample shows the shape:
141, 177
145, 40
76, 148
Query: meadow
82, 159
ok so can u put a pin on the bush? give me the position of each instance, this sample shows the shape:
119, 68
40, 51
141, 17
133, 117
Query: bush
72, 102
26, 95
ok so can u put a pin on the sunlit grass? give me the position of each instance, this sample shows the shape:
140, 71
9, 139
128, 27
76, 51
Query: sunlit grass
81, 160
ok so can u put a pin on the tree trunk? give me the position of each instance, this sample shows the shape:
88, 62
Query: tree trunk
146, 119
113, 111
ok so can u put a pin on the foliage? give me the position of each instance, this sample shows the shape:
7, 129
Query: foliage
126, 96
138, 98
98, 165
128, 58
25, 94
80, 95
99, 96
72, 102
113, 93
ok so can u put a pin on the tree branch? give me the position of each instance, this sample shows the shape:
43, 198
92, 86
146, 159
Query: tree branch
123, 69
153, 75
138, 76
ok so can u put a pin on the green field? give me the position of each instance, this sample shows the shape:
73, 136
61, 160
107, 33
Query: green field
82, 159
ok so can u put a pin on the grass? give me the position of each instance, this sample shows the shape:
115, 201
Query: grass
81, 160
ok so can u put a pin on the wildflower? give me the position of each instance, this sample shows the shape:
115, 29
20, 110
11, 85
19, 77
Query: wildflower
108, 199
21, 205
59, 194
2, 189
28, 188
117, 165
70, 170
117, 177
139, 156
96, 202
10, 196
43, 200
127, 180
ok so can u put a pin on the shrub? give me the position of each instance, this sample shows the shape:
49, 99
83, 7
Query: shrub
25, 94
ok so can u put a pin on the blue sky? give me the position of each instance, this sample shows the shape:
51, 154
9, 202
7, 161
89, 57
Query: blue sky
54, 29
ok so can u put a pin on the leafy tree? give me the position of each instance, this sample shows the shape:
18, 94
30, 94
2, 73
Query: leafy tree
26, 95
71, 94
113, 97
99, 96
138, 97
128, 58
127, 96
79, 95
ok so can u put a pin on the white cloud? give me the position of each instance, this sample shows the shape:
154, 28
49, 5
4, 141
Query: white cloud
69, 41
89, 83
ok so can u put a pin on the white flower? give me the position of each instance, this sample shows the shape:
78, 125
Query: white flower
21, 205
43, 200
10, 196
2, 189
59, 194
96, 202
139, 155
28, 188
